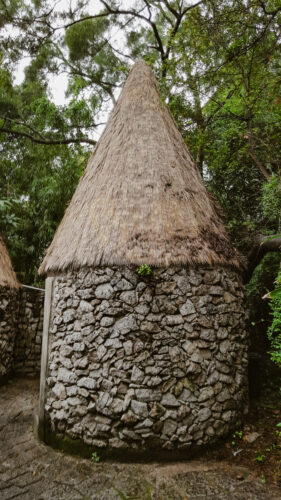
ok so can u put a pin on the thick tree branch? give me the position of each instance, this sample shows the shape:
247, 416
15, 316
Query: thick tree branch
251, 142
262, 246
267, 12
47, 141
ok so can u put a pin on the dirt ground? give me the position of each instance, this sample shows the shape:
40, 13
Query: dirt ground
263, 456
30, 470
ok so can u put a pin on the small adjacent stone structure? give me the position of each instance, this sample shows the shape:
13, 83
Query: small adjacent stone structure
8, 308
29, 329
21, 323
137, 363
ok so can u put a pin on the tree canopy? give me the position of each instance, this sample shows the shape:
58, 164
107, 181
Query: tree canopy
218, 65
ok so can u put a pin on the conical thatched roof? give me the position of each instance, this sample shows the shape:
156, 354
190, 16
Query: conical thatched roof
7, 275
142, 199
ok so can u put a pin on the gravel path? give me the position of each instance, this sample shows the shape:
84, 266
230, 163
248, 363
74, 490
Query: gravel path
31, 470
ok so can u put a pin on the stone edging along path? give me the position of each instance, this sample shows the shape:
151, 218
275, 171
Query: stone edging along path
30, 470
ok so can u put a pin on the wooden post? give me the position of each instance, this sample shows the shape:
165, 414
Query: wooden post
44, 354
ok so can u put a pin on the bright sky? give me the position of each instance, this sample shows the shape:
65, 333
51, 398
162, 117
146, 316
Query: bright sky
58, 84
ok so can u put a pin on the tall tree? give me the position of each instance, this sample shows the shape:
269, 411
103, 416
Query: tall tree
217, 63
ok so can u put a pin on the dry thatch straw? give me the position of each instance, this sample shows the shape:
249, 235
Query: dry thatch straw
141, 199
7, 274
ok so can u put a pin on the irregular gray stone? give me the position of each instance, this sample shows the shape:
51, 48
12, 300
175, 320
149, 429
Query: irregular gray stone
114, 343
66, 376
207, 334
61, 415
139, 408
71, 391
169, 427
87, 382
85, 306
128, 347
88, 319
154, 381
79, 346
137, 375
66, 362
68, 315
81, 362
101, 350
148, 395
252, 437
145, 424
104, 291
66, 350
118, 443
228, 298
205, 394
187, 308
142, 309
166, 287
189, 346
117, 405
225, 346
126, 324
175, 319
175, 353
59, 390
222, 333
106, 321
123, 284
150, 327
105, 399
204, 414
223, 395
226, 416
73, 401
91, 407
169, 400
215, 290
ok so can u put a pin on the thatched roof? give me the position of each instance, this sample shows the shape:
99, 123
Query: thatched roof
7, 275
141, 199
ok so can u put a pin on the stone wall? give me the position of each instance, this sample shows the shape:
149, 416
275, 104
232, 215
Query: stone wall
8, 314
21, 327
27, 350
146, 363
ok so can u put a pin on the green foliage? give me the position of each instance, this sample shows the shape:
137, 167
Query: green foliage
34, 195
274, 331
236, 436
218, 70
261, 281
259, 457
7, 213
144, 270
95, 458
271, 200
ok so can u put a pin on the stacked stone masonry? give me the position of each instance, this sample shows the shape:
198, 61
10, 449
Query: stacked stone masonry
156, 362
8, 314
21, 327
27, 352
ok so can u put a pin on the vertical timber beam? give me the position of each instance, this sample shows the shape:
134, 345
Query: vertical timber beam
44, 355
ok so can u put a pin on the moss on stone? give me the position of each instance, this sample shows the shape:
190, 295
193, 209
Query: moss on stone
80, 448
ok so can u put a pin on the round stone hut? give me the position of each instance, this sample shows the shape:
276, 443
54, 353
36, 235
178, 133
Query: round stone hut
8, 303
145, 348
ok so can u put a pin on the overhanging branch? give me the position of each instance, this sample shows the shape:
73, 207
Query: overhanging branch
262, 246
47, 141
